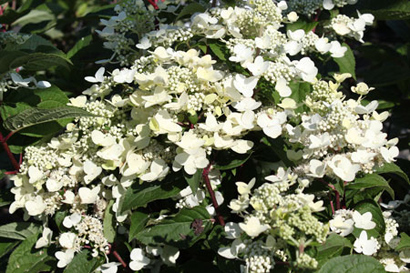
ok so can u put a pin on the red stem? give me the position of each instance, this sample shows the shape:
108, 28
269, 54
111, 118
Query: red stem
118, 257
10, 155
152, 2
205, 176
316, 19
337, 200
331, 203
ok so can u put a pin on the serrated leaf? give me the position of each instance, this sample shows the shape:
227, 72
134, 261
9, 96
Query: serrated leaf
85, 41
34, 116
333, 246
36, 53
26, 260
190, 9
352, 264
391, 168
140, 195
138, 221
83, 263
109, 223
372, 207
194, 180
371, 181
347, 63
39, 61
19, 230
404, 242
178, 230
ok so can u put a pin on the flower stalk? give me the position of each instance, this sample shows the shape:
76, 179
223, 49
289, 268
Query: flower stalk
205, 176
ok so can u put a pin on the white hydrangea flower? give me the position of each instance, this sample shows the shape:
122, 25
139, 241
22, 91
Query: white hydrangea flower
253, 226
363, 221
306, 69
242, 54
45, 238
35, 206
109, 267
244, 188
67, 240
138, 259
366, 246
343, 167
72, 220
64, 257
87, 195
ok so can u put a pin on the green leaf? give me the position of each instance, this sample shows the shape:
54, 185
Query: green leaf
219, 49
387, 73
34, 97
8, 111
35, 16
400, 10
6, 197
371, 181
301, 24
19, 230
404, 242
372, 207
347, 63
138, 221
38, 61
299, 92
25, 259
34, 116
6, 246
278, 147
352, 264
194, 180
178, 230
333, 247
139, 195
109, 223
391, 168
83, 263
232, 163
36, 53
85, 41
190, 9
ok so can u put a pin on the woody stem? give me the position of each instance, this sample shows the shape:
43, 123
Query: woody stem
205, 176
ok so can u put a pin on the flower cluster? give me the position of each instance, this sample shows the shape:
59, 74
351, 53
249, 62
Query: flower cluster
286, 221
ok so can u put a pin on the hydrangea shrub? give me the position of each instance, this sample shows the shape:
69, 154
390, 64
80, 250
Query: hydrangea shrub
239, 134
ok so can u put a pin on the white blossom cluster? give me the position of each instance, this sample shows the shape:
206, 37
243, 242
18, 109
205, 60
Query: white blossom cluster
179, 106
277, 218
341, 137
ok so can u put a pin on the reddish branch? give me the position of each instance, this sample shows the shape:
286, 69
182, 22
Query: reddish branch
118, 257
10, 155
205, 176
316, 19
